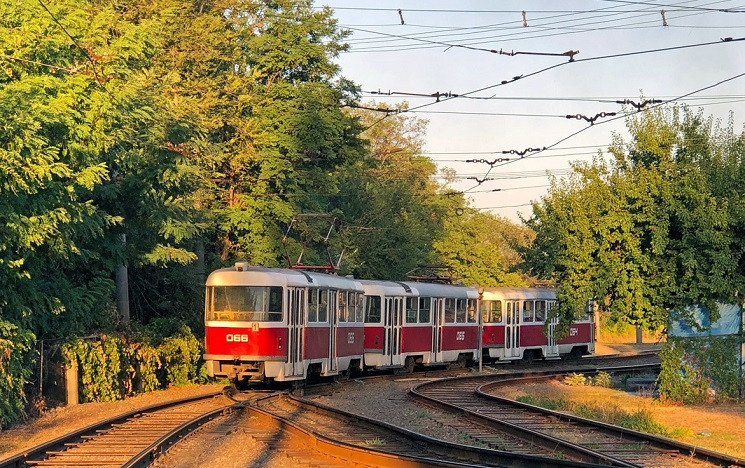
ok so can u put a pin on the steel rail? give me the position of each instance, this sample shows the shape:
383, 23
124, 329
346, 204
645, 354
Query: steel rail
663, 443
38, 452
433, 451
538, 438
160, 446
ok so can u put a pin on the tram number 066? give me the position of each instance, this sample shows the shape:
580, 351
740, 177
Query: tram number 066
236, 338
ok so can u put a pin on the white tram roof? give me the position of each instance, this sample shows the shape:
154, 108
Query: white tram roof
410, 288
443, 290
244, 275
522, 294
385, 288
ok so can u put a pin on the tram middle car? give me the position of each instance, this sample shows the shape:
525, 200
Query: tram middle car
409, 323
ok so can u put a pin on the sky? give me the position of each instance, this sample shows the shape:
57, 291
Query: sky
448, 47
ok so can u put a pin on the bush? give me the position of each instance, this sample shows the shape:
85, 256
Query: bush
576, 380
116, 366
17, 356
602, 379
691, 366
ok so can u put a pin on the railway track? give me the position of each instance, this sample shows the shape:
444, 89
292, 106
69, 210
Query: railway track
381, 444
579, 438
131, 439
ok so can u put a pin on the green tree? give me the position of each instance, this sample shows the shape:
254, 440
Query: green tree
641, 236
391, 203
480, 248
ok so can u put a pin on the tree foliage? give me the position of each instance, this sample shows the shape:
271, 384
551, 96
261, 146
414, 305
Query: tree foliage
189, 127
481, 249
400, 216
650, 231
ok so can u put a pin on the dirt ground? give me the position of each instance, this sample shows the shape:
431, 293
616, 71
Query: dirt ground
719, 427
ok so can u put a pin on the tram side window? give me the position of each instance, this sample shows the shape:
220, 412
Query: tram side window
540, 311
424, 307
485, 308
323, 305
275, 305
372, 313
351, 304
527, 311
342, 306
509, 313
411, 309
496, 312
359, 308
449, 310
471, 311
461, 311
312, 305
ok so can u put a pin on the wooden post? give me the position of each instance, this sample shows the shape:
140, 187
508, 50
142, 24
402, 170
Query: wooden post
71, 384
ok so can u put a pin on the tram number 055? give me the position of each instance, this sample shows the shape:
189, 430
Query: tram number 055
573, 332
236, 338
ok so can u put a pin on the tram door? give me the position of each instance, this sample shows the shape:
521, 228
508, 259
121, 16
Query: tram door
393, 316
295, 325
332, 302
438, 312
512, 330
553, 347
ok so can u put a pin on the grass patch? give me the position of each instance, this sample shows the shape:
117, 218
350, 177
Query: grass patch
640, 420
548, 403
375, 441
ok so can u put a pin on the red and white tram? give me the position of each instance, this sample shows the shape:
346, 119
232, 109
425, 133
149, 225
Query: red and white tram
426, 323
266, 323
514, 326
282, 324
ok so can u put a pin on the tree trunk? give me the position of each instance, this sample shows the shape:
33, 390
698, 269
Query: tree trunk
199, 263
122, 284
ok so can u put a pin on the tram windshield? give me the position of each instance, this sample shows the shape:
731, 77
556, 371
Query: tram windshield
244, 303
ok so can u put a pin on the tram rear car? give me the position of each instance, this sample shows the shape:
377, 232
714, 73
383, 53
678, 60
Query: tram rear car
409, 323
514, 326
276, 324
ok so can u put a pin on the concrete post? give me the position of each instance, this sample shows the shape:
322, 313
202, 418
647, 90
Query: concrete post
71, 384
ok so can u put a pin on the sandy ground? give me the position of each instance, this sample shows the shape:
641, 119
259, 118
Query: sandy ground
718, 427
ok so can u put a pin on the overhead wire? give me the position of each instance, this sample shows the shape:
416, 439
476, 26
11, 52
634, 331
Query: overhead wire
582, 130
560, 64
536, 30
540, 22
